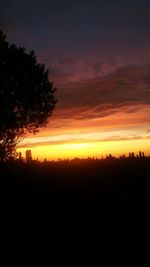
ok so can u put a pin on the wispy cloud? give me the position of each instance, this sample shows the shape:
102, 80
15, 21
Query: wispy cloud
127, 90
61, 142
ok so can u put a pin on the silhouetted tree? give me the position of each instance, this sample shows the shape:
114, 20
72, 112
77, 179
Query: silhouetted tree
26, 96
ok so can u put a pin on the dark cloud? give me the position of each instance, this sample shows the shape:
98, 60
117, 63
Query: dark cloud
77, 27
127, 90
82, 39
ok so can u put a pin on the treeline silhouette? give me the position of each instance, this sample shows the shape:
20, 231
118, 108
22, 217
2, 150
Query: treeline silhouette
107, 187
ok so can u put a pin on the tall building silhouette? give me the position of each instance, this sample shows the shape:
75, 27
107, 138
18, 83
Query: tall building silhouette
20, 155
28, 155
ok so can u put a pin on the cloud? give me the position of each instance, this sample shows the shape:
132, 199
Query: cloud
79, 140
125, 90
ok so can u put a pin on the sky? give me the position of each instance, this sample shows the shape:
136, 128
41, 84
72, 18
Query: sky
98, 55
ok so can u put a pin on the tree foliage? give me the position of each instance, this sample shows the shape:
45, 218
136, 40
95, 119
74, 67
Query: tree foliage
27, 97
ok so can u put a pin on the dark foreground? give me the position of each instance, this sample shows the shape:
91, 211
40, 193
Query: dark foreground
115, 187
72, 208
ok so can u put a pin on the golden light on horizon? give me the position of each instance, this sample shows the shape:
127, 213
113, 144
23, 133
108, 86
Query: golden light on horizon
116, 134
88, 149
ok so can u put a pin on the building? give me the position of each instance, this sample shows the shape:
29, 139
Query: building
28, 155
20, 156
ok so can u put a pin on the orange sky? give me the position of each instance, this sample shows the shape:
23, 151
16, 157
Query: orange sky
98, 56
116, 134
98, 116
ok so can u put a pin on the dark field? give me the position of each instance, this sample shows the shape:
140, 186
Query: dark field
115, 187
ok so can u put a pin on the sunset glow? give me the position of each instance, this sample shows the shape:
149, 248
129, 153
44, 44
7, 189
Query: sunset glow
100, 68
83, 150
116, 134
74, 115
127, 130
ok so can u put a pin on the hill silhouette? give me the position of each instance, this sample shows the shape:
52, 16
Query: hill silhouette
108, 187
